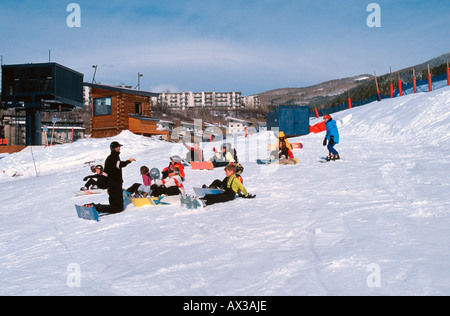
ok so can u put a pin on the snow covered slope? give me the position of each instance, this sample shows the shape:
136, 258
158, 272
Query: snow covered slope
375, 223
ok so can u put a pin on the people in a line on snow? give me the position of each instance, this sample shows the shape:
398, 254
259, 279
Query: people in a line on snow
225, 156
331, 138
195, 153
172, 185
175, 161
97, 181
142, 189
113, 168
232, 186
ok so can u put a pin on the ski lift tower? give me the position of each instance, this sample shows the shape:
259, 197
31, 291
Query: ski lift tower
36, 88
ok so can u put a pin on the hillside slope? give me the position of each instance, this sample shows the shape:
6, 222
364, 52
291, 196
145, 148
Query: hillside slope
375, 223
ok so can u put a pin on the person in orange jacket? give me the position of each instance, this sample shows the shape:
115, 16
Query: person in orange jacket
175, 161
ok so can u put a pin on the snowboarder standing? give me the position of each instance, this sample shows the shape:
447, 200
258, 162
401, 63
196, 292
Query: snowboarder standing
113, 168
332, 137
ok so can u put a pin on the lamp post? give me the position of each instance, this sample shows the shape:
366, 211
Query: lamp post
93, 78
139, 80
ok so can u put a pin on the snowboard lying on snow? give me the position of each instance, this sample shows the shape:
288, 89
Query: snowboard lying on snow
277, 161
155, 201
201, 192
202, 165
89, 192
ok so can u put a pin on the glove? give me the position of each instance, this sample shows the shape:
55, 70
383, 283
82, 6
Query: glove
85, 179
332, 141
324, 141
132, 159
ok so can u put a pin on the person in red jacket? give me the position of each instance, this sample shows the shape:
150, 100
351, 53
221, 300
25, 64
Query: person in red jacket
172, 185
284, 152
175, 161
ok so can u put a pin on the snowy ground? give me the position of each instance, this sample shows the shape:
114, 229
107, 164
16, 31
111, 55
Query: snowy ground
375, 223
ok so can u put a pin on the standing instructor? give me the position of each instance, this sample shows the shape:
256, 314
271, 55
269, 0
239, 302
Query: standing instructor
113, 168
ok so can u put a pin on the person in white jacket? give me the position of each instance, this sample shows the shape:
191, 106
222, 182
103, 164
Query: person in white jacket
172, 185
223, 157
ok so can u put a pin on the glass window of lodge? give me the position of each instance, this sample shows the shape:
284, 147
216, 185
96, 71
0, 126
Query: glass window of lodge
102, 106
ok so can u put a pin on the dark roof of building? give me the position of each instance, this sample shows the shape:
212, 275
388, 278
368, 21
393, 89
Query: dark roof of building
121, 89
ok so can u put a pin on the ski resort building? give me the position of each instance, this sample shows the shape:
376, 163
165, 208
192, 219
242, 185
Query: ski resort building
115, 109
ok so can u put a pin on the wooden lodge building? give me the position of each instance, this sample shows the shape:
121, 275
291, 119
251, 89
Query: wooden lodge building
115, 109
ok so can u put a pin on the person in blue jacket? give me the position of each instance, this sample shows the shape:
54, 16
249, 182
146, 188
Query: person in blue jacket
332, 137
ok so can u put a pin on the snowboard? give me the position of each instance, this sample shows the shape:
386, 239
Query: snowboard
87, 212
277, 161
201, 192
155, 201
140, 202
89, 192
202, 165
324, 160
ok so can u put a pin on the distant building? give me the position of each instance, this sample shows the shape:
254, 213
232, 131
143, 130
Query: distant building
237, 126
252, 101
201, 100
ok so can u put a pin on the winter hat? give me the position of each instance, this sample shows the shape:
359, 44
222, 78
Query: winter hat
114, 145
327, 117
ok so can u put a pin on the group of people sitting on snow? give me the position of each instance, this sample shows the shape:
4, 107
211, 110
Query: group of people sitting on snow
171, 182
173, 176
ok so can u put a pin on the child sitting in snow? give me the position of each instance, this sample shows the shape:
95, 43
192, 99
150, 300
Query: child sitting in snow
175, 161
232, 186
97, 181
142, 189
222, 184
172, 185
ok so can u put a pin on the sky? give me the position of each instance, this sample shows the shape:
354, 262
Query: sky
250, 46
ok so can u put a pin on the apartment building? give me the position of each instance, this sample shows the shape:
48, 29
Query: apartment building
199, 100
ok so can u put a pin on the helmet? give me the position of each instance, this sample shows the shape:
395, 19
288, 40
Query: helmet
99, 167
239, 168
154, 173
327, 117
176, 158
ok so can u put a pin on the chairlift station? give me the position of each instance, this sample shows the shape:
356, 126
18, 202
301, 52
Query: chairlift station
36, 88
